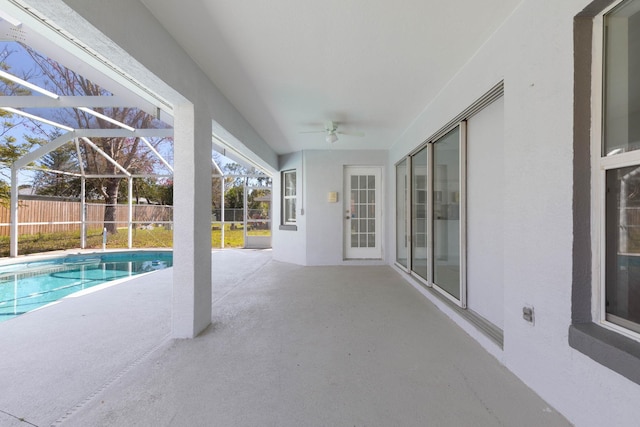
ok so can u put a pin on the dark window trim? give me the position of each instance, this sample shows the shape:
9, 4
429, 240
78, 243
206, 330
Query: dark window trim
609, 348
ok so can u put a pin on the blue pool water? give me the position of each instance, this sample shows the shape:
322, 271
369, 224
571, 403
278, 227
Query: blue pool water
28, 285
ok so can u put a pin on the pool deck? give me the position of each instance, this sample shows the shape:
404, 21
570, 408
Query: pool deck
288, 346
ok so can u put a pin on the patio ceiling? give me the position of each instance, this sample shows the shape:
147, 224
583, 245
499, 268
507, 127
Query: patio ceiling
370, 65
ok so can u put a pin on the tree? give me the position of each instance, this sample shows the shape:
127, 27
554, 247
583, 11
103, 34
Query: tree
233, 198
155, 191
11, 149
165, 192
56, 184
130, 153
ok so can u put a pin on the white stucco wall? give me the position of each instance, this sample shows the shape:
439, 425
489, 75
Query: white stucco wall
289, 245
326, 221
319, 238
533, 53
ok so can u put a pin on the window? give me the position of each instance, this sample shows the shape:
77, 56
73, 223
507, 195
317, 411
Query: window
603, 309
289, 197
618, 169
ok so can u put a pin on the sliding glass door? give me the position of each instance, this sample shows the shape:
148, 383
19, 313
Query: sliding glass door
446, 213
402, 200
438, 214
419, 223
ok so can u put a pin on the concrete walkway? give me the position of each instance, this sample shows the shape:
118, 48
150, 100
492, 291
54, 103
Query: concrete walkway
288, 346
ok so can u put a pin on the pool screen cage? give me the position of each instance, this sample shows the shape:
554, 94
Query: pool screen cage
253, 218
253, 215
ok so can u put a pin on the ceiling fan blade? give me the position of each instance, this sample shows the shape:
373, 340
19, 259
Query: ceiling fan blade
351, 133
312, 131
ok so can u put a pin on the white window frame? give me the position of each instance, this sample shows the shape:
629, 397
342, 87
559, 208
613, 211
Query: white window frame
599, 167
287, 198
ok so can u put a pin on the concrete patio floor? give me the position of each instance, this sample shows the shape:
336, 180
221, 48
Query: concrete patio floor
288, 346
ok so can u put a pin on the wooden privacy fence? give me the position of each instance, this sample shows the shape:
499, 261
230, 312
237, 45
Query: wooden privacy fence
51, 216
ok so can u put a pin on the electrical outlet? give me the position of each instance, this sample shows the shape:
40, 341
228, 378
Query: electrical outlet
528, 314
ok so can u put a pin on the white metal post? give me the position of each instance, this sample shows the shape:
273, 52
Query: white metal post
245, 212
130, 213
83, 213
13, 251
222, 212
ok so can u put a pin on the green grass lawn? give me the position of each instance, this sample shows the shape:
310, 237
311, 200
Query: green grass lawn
157, 237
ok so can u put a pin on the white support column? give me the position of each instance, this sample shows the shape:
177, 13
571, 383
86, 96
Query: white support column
192, 222
13, 250
83, 213
130, 213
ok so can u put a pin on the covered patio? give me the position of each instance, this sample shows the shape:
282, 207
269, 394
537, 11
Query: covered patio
287, 346
444, 238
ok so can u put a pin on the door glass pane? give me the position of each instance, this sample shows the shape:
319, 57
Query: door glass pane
621, 84
362, 211
623, 247
446, 213
401, 213
419, 213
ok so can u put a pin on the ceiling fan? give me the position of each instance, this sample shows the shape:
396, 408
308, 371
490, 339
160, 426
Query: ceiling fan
331, 130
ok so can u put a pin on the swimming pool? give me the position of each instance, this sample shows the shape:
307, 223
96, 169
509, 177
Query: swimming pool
25, 286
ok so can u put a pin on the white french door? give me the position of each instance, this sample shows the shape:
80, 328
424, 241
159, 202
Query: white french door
363, 212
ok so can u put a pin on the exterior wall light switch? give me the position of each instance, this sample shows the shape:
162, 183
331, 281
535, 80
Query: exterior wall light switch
528, 315
332, 197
